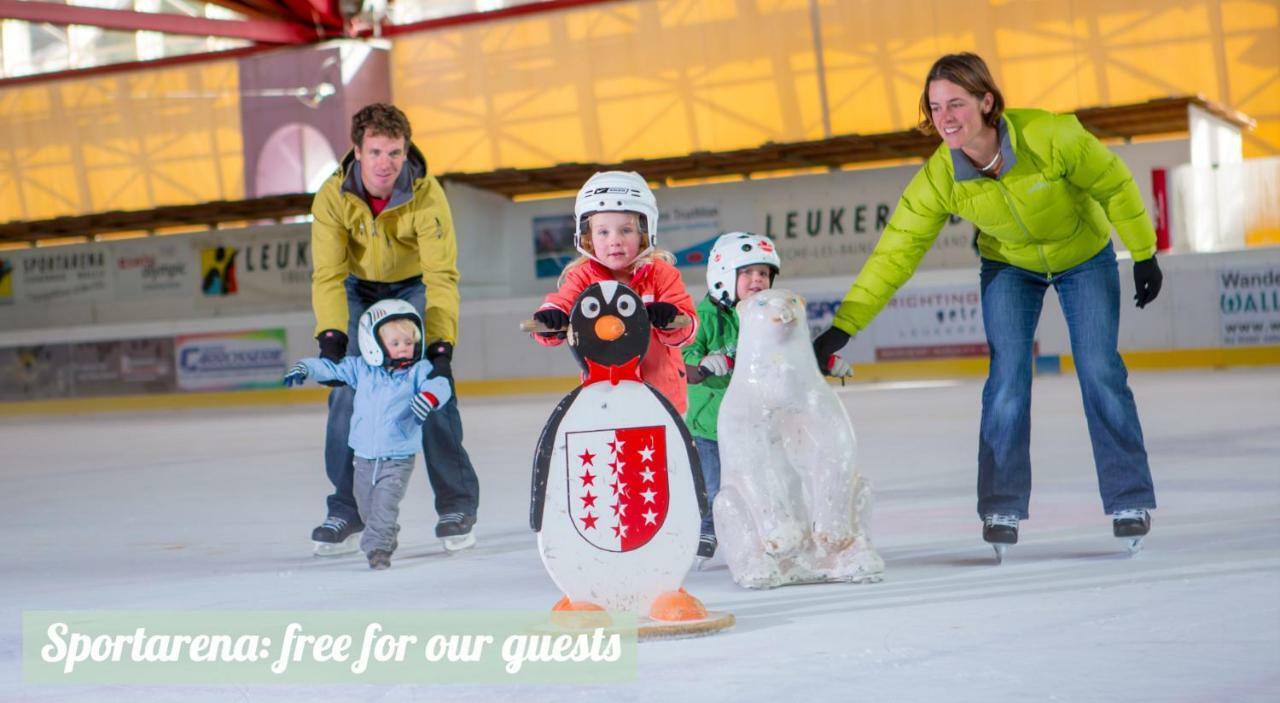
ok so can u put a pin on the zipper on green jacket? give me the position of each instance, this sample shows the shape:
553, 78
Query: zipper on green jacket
1004, 192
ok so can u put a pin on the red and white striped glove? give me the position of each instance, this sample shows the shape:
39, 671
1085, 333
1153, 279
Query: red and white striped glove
423, 404
838, 367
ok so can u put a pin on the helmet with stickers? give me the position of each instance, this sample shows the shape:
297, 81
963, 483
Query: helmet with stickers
733, 251
616, 191
379, 314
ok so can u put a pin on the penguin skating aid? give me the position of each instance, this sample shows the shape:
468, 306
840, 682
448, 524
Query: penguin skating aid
617, 497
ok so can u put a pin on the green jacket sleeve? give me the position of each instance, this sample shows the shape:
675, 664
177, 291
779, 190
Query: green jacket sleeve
329, 259
1095, 169
921, 213
438, 255
697, 349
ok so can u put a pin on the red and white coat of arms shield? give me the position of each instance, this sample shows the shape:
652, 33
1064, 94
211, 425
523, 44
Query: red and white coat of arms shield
618, 494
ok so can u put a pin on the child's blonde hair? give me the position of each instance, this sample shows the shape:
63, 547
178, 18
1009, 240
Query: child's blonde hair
404, 325
659, 254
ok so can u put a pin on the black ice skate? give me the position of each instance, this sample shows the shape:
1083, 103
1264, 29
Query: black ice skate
379, 559
706, 550
336, 537
1131, 525
1000, 530
455, 530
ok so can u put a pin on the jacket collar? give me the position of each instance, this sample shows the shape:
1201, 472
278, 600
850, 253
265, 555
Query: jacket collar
415, 168
966, 171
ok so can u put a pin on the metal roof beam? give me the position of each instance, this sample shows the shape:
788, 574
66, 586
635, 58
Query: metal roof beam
266, 31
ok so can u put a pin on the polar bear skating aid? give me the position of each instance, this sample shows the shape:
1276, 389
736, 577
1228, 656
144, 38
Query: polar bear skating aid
792, 507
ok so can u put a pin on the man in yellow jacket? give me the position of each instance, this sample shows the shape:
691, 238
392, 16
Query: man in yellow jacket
382, 229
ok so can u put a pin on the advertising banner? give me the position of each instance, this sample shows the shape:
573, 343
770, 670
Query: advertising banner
271, 266
64, 274
34, 372
152, 268
6, 281
552, 244
686, 230
1249, 303
122, 367
230, 360
931, 322
823, 225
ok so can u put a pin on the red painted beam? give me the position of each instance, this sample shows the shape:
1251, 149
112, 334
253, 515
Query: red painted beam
532, 8
323, 11
266, 31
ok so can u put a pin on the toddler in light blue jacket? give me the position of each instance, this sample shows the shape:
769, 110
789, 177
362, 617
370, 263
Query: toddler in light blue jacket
394, 394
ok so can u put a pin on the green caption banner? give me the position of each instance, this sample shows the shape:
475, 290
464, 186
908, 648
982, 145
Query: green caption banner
320, 647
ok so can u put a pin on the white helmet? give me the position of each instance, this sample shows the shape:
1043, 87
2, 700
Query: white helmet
616, 191
731, 252
379, 314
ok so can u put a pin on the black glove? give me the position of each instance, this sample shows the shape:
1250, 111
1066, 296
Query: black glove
1146, 280
555, 321
440, 354
661, 315
333, 347
827, 344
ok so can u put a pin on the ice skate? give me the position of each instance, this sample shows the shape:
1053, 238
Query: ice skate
706, 550
1000, 530
336, 537
454, 529
1132, 526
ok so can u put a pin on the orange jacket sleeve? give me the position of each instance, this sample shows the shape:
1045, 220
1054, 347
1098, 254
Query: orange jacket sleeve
668, 287
562, 299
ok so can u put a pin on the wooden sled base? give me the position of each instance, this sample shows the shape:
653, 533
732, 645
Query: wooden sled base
651, 630
647, 629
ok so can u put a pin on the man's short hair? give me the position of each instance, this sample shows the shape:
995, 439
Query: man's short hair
379, 119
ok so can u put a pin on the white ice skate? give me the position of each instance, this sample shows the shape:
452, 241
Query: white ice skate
336, 537
454, 531
1000, 530
1131, 526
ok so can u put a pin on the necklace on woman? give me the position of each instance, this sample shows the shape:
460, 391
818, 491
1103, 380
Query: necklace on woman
991, 163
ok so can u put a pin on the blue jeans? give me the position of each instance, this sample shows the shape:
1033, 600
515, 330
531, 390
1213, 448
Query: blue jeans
448, 467
709, 455
1090, 296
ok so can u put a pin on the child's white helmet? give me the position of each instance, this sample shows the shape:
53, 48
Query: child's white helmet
731, 252
375, 317
616, 191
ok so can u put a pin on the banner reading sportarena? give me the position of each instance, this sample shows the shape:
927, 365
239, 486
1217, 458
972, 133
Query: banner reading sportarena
322, 647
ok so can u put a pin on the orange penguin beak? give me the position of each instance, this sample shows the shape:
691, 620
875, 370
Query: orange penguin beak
609, 328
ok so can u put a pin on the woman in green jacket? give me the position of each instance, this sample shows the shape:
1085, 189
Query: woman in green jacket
1045, 194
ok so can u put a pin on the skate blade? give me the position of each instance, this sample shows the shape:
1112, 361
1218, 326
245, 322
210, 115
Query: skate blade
1134, 544
1000, 550
459, 543
350, 545
700, 563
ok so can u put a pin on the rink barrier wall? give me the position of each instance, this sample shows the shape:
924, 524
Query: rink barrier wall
1141, 361
1215, 310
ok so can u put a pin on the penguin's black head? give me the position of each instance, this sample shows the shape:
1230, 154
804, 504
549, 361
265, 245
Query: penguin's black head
608, 325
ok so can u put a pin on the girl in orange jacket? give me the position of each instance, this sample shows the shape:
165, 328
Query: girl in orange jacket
616, 217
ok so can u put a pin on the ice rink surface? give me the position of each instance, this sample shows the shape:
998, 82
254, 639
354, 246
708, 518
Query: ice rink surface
212, 509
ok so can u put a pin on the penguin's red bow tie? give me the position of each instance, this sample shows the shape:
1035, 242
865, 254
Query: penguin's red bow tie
630, 371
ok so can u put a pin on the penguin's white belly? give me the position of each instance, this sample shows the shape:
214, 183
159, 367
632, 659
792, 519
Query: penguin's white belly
620, 522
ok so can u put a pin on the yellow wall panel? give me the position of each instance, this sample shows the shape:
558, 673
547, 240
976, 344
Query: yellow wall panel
125, 141
648, 78
661, 77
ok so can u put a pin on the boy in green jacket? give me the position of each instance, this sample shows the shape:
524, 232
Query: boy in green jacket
741, 265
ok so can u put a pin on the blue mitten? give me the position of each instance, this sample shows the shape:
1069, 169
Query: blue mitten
297, 374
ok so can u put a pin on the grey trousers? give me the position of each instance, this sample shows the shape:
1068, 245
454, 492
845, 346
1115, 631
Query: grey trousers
379, 485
